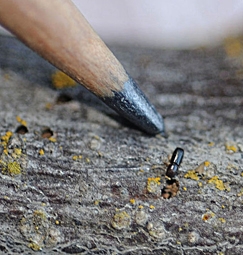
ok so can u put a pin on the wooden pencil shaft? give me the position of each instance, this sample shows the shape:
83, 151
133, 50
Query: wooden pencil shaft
58, 31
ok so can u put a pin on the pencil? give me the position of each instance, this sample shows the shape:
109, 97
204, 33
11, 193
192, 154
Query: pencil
58, 32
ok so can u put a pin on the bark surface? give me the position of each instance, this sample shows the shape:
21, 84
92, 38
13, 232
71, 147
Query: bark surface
82, 181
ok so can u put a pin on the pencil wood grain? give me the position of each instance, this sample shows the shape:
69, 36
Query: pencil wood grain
58, 32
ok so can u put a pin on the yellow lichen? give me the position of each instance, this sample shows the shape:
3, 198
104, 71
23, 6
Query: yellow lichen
218, 183
34, 246
48, 106
211, 144
132, 201
57, 222
185, 188
121, 220
152, 184
230, 147
75, 157
96, 202
140, 207
11, 168
154, 180
60, 80
18, 151
21, 121
191, 174
41, 152
5, 139
152, 207
207, 163
52, 139
186, 225
40, 214
233, 47
207, 216
240, 193
200, 184
222, 220
100, 154
14, 168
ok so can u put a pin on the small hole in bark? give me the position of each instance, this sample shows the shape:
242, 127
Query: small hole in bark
63, 98
21, 130
47, 133
171, 189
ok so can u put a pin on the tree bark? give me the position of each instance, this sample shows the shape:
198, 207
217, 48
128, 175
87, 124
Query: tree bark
92, 187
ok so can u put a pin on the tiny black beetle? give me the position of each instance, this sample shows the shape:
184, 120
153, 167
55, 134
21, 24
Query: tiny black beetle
175, 162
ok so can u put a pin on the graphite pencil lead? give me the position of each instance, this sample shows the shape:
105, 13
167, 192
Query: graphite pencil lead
131, 103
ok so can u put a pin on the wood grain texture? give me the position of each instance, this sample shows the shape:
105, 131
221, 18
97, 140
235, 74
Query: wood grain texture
99, 203
59, 33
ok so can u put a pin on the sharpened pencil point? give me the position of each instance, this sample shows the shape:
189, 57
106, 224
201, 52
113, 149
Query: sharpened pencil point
67, 41
132, 104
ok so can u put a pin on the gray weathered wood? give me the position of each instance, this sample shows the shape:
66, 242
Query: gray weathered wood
100, 203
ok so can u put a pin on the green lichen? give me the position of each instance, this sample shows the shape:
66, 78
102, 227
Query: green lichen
10, 168
14, 168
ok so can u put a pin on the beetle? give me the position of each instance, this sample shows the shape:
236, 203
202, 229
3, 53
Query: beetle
172, 185
175, 162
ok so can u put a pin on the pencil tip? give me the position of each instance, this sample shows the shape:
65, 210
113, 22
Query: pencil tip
132, 104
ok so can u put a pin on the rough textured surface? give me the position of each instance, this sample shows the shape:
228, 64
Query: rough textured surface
94, 186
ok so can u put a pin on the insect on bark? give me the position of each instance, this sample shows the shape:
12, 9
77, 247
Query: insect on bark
172, 185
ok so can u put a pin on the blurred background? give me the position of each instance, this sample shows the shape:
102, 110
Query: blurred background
165, 24
179, 24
